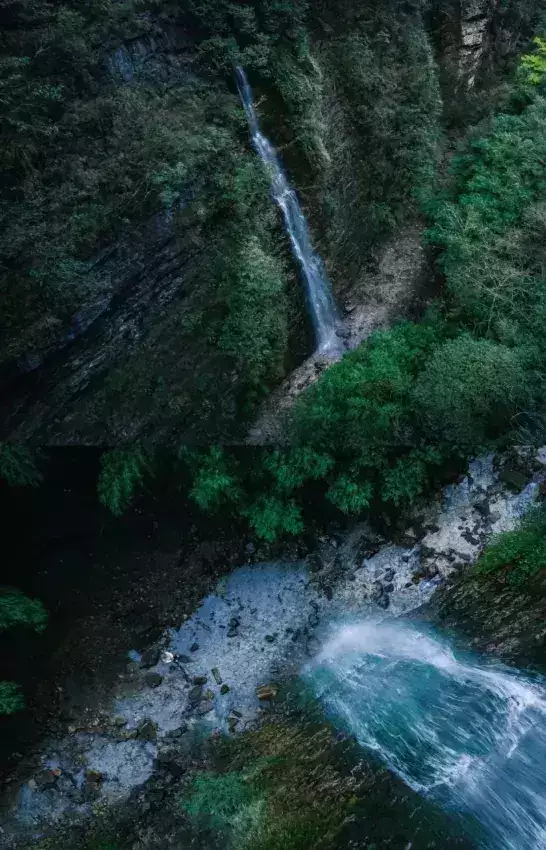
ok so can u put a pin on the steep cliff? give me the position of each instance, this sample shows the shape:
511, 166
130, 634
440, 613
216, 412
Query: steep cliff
148, 287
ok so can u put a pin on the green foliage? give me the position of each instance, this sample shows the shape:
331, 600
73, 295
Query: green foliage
122, 475
18, 466
227, 802
491, 259
255, 329
470, 389
282, 793
16, 609
366, 81
215, 482
273, 517
532, 69
517, 556
11, 700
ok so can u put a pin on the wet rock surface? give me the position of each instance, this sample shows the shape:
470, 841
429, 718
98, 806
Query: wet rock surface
281, 614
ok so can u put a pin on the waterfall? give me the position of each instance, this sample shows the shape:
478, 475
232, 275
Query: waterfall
467, 733
320, 301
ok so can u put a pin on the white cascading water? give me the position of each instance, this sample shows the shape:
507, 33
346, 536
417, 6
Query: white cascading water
321, 304
465, 732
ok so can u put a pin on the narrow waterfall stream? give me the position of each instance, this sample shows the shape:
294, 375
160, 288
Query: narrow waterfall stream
321, 304
465, 732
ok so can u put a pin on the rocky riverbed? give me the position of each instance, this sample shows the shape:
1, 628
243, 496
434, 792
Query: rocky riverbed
220, 671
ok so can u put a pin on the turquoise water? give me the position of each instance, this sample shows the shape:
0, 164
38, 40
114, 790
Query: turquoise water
468, 734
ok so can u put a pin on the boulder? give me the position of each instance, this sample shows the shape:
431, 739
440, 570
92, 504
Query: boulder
45, 779
512, 478
151, 657
195, 693
204, 707
153, 680
148, 730
266, 692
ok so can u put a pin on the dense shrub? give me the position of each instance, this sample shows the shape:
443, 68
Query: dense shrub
122, 476
470, 389
517, 556
18, 610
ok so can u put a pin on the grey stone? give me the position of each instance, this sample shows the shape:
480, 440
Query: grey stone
204, 707
270, 638
151, 657
328, 592
153, 680
185, 659
148, 731
383, 601
314, 562
483, 508
195, 693
312, 646
194, 647
388, 575
512, 478
233, 633
44, 780
389, 587
216, 673
200, 680
224, 689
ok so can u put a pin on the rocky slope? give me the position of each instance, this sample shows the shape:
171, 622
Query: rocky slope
254, 632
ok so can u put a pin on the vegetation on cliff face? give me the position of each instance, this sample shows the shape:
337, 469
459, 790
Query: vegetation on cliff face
18, 468
517, 556
387, 422
113, 117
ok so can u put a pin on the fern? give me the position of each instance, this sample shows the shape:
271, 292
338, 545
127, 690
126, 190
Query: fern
122, 476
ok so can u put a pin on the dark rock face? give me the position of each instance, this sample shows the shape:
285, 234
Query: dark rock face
498, 617
150, 658
153, 680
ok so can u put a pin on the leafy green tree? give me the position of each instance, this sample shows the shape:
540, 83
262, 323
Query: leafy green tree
532, 69
11, 698
123, 474
215, 483
470, 389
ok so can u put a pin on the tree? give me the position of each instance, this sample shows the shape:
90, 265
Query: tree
18, 610
470, 389
123, 474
